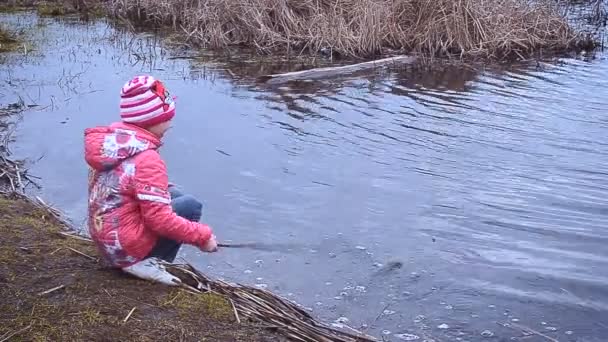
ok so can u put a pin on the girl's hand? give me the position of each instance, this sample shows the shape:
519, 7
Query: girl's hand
210, 246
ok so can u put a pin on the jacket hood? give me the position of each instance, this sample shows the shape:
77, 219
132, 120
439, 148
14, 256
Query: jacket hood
108, 146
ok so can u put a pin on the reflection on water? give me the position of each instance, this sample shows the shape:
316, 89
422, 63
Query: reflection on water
487, 188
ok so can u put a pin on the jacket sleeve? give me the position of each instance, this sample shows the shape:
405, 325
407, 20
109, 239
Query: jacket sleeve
151, 191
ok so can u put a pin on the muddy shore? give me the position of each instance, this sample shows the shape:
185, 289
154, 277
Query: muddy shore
54, 289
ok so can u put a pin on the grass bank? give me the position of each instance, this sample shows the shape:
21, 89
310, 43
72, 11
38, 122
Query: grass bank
53, 289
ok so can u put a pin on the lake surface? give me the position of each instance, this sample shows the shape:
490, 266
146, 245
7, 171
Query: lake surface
489, 187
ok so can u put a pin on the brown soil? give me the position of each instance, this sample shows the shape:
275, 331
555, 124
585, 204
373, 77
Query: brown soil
91, 302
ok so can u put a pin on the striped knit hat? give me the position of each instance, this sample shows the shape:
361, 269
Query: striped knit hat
145, 102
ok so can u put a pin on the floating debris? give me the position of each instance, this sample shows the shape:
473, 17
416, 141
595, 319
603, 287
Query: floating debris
569, 332
474, 316
338, 297
259, 262
419, 318
449, 307
342, 320
360, 289
348, 288
487, 333
515, 320
388, 312
332, 255
361, 248
551, 328
543, 323
377, 264
386, 332
259, 278
407, 337
491, 306
328, 283
443, 326
318, 304
261, 286
247, 271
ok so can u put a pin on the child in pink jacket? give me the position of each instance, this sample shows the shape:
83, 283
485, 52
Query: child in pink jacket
134, 218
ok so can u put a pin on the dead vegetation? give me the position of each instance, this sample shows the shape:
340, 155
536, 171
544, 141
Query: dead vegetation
364, 28
13, 174
471, 29
8, 41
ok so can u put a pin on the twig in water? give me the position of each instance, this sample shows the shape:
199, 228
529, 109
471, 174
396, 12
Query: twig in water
51, 290
236, 314
378, 317
7, 337
129, 315
81, 253
18, 173
529, 331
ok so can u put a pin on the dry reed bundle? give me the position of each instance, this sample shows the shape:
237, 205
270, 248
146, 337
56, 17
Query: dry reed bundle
363, 28
267, 308
13, 174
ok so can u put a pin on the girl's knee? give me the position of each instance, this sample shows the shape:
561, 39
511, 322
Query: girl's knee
188, 207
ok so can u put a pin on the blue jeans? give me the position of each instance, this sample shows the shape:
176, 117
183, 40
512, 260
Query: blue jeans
185, 206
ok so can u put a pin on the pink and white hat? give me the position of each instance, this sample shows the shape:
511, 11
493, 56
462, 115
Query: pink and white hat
145, 102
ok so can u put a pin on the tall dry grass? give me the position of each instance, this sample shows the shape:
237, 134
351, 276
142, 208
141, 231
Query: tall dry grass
363, 28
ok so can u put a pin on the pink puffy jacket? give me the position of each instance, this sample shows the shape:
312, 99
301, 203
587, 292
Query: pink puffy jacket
129, 202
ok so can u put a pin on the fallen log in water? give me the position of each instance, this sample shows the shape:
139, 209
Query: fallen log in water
336, 71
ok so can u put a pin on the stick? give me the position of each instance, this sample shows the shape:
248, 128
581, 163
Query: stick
75, 236
79, 252
257, 246
236, 314
530, 330
15, 333
17, 172
51, 290
129, 315
333, 71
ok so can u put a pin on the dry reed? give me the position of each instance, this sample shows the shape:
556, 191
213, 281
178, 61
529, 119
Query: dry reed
13, 174
363, 28
267, 308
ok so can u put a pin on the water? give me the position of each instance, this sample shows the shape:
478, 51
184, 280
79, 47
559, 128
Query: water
487, 188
